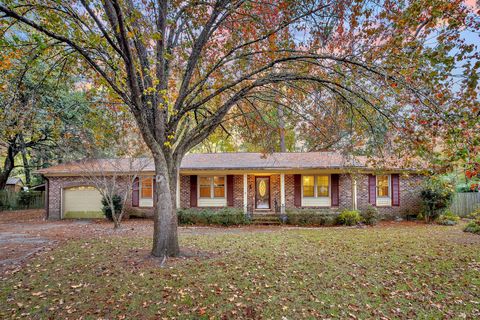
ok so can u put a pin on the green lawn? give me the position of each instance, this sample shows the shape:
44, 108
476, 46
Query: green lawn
399, 272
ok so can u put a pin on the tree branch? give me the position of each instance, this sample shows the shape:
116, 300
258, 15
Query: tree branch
69, 42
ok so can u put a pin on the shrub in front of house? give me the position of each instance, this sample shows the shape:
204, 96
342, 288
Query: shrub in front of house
223, 216
117, 205
229, 217
189, 216
448, 219
194, 216
307, 217
370, 216
436, 196
473, 226
349, 217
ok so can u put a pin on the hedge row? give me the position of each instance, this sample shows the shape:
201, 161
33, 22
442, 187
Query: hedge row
312, 217
298, 217
306, 217
223, 216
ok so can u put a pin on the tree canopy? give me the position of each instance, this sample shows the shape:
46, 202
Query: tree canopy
184, 68
46, 118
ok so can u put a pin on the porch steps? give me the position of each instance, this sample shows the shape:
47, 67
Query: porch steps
265, 219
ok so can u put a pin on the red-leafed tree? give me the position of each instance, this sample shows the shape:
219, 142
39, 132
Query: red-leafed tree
183, 67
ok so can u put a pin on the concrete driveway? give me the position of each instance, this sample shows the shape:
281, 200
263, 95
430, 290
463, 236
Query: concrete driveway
23, 234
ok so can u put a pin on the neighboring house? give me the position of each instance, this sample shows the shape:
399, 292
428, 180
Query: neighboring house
258, 183
14, 184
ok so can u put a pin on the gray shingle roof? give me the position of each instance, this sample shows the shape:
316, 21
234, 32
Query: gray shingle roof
14, 181
226, 161
285, 160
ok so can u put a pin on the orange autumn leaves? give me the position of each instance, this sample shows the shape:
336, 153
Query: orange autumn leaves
473, 173
7, 60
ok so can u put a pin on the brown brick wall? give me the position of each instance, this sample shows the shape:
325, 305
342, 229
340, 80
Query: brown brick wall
410, 202
409, 194
345, 197
238, 191
56, 184
289, 191
184, 191
345, 192
275, 191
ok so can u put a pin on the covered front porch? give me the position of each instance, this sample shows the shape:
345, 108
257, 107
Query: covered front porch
264, 192
259, 192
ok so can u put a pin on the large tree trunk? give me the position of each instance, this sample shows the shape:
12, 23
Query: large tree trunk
165, 238
8, 166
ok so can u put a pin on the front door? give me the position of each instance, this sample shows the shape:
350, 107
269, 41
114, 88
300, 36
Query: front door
262, 192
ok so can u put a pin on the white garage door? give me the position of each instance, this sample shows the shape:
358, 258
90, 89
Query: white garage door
82, 203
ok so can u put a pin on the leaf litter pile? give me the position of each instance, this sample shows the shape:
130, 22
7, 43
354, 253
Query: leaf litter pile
382, 272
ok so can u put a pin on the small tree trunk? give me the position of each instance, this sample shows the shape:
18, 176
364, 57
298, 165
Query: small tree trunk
26, 168
26, 165
115, 217
281, 125
116, 223
165, 238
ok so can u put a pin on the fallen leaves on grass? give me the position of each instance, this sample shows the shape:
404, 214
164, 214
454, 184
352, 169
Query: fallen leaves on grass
403, 272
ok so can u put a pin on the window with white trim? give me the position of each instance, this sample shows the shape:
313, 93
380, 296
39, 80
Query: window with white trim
383, 186
146, 188
316, 186
211, 187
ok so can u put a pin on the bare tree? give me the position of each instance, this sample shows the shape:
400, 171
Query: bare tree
114, 178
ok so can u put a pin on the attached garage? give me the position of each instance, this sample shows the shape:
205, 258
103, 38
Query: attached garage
83, 202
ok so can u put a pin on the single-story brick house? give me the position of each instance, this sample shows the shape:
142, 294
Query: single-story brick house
255, 182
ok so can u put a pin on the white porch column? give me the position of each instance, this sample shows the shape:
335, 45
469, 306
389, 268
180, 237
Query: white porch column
245, 193
177, 198
282, 193
354, 192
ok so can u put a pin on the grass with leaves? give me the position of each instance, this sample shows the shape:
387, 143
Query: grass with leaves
420, 271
